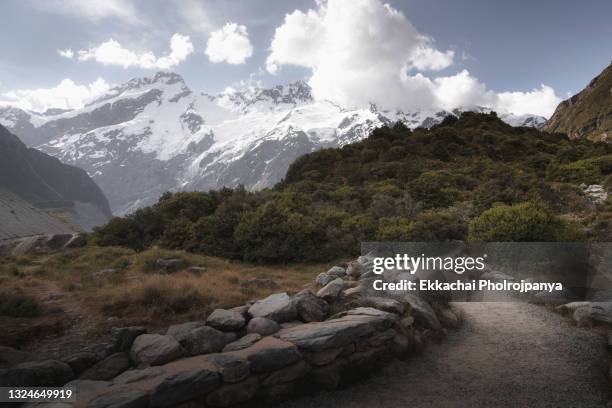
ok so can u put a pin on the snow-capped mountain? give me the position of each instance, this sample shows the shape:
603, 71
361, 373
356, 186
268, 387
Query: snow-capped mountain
151, 135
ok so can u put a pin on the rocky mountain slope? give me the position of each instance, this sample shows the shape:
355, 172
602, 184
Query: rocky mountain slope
588, 113
45, 183
152, 135
18, 219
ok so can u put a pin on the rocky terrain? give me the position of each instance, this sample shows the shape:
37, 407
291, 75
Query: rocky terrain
264, 351
18, 218
587, 114
152, 135
49, 185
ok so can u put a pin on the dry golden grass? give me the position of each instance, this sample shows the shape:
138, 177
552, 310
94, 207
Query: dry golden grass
139, 293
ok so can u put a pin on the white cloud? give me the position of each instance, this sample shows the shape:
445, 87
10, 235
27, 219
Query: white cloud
364, 51
542, 101
111, 52
427, 58
93, 11
229, 44
65, 95
66, 53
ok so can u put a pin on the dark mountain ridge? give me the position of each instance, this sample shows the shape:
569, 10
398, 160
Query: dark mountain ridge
587, 114
46, 183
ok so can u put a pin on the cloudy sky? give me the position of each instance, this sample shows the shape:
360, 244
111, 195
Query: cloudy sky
518, 56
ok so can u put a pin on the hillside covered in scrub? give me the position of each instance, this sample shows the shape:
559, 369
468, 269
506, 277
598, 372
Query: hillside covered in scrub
588, 114
472, 178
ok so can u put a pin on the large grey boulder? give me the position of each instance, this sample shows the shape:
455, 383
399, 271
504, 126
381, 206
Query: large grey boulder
205, 339
184, 386
121, 399
81, 361
169, 264
601, 312
310, 308
269, 354
262, 326
355, 291
324, 278
131, 376
86, 386
123, 337
334, 333
368, 266
355, 269
322, 357
226, 320
332, 290
178, 331
370, 311
10, 357
155, 349
337, 272
385, 304
423, 312
48, 373
277, 307
243, 342
108, 368
231, 368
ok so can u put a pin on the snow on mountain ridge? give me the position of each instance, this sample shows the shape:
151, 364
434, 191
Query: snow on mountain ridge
154, 134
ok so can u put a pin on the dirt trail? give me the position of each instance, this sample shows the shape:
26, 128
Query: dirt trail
76, 318
507, 354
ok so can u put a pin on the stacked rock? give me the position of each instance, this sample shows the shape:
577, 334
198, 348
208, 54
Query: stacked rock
267, 350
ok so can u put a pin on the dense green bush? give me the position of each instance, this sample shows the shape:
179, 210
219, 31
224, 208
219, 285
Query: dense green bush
528, 222
16, 304
397, 184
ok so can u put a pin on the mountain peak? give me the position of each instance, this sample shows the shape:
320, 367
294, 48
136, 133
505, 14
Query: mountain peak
161, 77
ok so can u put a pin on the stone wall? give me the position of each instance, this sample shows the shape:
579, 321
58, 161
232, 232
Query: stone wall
261, 352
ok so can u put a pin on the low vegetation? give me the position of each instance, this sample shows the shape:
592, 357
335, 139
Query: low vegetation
469, 178
19, 305
115, 286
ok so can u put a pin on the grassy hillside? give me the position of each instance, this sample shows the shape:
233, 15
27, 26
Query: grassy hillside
588, 113
470, 178
84, 292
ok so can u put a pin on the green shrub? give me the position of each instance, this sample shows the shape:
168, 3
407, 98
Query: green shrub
394, 229
439, 225
588, 171
16, 304
272, 234
528, 222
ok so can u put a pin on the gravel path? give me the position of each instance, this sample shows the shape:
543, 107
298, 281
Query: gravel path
507, 354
